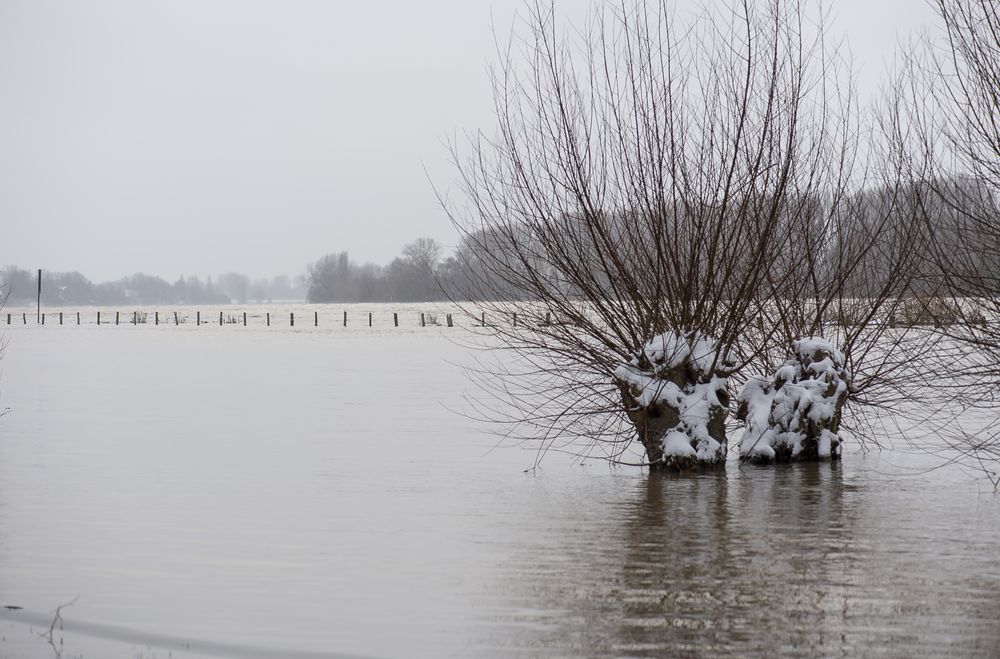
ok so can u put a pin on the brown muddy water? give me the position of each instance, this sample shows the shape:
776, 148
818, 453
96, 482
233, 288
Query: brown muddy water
251, 492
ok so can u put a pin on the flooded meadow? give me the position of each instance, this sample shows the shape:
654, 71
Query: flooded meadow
316, 490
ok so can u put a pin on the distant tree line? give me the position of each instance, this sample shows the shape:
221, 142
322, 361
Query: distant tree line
503, 263
410, 277
421, 273
72, 288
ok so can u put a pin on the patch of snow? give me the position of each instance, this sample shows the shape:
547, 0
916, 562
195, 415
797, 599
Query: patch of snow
678, 444
810, 345
757, 395
785, 373
673, 349
647, 389
708, 450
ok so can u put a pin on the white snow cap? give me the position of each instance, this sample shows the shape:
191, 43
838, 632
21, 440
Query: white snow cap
664, 353
672, 349
809, 346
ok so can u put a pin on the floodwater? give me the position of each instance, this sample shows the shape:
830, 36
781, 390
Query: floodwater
313, 491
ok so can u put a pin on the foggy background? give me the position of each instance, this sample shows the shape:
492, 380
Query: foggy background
195, 138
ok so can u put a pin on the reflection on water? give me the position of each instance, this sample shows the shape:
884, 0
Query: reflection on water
312, 492
790, 560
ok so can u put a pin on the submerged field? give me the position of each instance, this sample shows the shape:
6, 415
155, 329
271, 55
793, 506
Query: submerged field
223, 490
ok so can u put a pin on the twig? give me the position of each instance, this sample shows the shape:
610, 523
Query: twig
57, 619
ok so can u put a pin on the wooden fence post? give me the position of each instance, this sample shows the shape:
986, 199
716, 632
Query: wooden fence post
177, 320
156, 317
24, 319
315, 319
395, 319
369, 319
77, 317
135, 317
482, 318
268, 318
8, 319
422, 319
448, 319
291, 319
43, 319
117, 317
220, 318
60, 318
198, 319
244, 319
345, 319
98, 317
515, 320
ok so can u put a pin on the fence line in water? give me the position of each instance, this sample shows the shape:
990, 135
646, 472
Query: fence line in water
905, 317
421, 319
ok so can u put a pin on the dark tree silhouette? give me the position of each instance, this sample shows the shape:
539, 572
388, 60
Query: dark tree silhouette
675, 193
682, 198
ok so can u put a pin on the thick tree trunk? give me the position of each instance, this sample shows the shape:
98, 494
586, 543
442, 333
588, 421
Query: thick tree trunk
653, 422
674, 391
795, 417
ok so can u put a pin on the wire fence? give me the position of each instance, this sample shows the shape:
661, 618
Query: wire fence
277, 318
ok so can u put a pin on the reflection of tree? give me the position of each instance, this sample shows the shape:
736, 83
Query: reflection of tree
693, 564
678, 548
740, 562
793, 528
789, 560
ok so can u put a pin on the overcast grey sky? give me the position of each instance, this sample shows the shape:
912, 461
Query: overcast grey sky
196, 137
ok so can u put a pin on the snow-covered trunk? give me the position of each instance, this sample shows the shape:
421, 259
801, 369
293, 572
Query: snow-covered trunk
795, 416
652, 423
674, 392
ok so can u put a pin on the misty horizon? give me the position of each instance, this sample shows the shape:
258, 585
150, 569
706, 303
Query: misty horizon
208, 138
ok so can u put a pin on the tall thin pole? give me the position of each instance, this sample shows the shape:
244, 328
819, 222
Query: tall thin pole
38, 312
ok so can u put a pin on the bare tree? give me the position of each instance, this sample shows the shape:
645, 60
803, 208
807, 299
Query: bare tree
948, 133
423, 252
856, 315
413, 275
669, 190
234, 285
331, 279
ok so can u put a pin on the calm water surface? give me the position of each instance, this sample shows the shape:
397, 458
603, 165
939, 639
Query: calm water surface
233, 491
